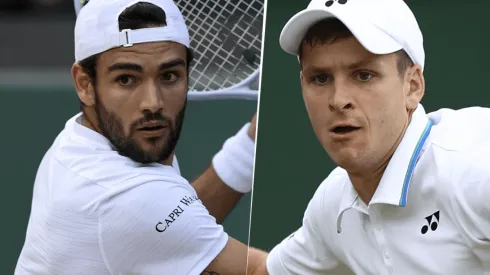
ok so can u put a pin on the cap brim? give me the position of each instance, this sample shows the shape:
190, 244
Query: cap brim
372, 38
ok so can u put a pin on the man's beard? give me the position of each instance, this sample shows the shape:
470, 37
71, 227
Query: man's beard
112, 128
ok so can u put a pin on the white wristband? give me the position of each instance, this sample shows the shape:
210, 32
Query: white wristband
234, 163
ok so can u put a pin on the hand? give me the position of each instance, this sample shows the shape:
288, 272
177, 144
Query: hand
253, 127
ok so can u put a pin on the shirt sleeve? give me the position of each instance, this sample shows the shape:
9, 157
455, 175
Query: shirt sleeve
158, 228
470, 203
305, 252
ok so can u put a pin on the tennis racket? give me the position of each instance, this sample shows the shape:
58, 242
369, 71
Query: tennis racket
226, 39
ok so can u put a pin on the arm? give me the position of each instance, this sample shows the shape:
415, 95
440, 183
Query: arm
470, 203
237, 259
218, 197
257, 260
142, 232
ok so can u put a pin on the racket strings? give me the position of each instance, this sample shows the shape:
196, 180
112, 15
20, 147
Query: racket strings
221, 31
224, 60
242, 31
206, 34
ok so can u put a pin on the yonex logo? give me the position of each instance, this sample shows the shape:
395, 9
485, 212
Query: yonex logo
432, 223
330, 2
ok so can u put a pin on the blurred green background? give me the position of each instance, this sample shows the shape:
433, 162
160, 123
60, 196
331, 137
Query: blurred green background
290, 163
33, 117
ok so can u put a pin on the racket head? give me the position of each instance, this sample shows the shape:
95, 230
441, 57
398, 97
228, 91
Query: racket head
226, 39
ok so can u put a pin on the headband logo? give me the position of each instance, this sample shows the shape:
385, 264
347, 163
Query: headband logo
330, 2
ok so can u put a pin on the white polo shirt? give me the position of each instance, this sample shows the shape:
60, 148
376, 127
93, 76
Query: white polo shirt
96, 212
429, 215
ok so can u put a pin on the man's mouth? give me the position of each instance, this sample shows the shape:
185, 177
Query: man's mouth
344, 129
151, 128
154, 129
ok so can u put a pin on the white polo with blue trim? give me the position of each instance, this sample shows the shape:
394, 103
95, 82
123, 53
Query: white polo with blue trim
429, 215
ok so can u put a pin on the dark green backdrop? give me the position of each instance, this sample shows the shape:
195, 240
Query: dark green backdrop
32, 117
290, 164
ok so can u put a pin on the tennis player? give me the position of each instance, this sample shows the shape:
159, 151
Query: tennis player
106, 198
411, 194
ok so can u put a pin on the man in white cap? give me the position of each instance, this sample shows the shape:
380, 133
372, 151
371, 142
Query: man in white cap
411, 191
107, 199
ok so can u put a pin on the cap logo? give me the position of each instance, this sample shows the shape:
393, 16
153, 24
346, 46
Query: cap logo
331, 2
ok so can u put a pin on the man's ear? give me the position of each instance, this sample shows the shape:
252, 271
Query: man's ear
83, 85
415, 87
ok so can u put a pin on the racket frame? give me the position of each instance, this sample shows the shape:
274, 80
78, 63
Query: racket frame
241, 90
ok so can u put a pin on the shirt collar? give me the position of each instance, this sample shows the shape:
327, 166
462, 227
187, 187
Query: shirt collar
394, 184
86, 135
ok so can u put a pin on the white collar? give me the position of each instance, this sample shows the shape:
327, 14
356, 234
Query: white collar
394, 184
87, 135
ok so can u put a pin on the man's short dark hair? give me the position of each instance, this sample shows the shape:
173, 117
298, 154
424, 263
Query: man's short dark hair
138, 16
328, 30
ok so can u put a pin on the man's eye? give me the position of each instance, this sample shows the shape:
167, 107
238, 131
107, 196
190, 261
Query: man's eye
364, 76
170, 77
321, 79
125, 80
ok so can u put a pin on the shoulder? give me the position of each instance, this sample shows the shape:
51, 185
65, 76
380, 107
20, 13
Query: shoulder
106, 183
92, 157
99, 163
335, 180
460, 175
326, 199
332, 187
460, 144
460, 129
168, 210
469, 173
459, 151
294, 253
154, 198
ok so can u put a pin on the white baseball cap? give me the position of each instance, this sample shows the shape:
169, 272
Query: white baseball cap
97, 27
380, 26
